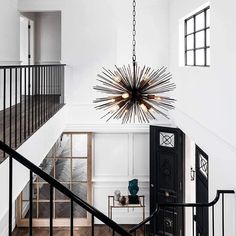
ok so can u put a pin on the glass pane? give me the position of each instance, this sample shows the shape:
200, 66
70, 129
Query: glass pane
79, 170
80, 189
208, 18
47, 166
190, 58
44, 209
190, 26
208, 57
190, 42
35, 191
62, 210
63, 170
200, 57
25, 210
79, 212
51, 153
79, 145
200, 36
64, 149
208, 37
61, 196
25, 193
44, 191
200, 21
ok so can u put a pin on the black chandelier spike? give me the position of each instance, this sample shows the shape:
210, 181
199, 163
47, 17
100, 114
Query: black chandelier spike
135, 93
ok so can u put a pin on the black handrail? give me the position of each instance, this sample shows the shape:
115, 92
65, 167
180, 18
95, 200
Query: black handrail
155, 213
24, 66
138, 226
92, 210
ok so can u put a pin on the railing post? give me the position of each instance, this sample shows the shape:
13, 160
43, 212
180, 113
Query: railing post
16, 107
20, 104
10, 107
4, 108
10, 197
25, 75
29, 83
223, 215
31, 204
213, 221
193, 221
51, 211
92, 225
71, 217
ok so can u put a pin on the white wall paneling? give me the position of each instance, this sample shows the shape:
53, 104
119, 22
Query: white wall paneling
119, 156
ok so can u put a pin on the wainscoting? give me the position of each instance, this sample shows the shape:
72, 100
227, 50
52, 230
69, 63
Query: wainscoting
118, 158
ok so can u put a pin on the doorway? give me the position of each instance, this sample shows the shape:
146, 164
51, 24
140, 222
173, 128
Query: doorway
202, 221
167, 178
26, 40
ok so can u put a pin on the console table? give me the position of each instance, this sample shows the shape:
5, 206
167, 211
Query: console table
112, 204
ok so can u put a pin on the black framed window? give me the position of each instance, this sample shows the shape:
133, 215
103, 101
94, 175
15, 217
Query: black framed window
197, 39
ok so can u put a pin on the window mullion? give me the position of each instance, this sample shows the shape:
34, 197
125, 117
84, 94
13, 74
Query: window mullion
194, 40
205, 38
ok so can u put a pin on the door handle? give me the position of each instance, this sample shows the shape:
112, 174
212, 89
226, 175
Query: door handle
152, 185
167, 194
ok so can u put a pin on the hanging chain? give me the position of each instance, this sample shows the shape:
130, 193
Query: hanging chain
134, 31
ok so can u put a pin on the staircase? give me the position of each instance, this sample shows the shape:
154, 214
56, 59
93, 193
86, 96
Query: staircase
146, 227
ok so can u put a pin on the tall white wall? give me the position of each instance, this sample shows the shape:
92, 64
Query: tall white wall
47, 37
205, 110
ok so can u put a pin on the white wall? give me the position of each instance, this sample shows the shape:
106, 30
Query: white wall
10, 33
47, 37
205, 97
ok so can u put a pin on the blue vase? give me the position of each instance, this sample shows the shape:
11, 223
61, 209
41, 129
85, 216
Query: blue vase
133, 187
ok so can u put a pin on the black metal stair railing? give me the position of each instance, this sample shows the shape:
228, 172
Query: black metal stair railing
29, 96
182, 206
115, 229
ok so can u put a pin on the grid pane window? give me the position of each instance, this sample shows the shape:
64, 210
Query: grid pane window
197, 39
69, 162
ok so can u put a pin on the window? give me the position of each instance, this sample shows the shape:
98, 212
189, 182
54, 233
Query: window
197, 39
69, 162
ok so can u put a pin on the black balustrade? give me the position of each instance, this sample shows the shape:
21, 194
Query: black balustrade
162, 208
29, 96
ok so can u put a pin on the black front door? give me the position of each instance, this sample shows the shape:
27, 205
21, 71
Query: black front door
166, 178
201, 192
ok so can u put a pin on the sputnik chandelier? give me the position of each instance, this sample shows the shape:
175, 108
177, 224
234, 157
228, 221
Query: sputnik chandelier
135, 94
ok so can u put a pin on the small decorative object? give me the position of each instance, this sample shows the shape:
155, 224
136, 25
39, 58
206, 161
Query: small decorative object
133, 189
117, 195
135, 93
122, 200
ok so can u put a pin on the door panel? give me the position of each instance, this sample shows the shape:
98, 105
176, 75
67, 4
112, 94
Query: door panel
166, 177
202, 192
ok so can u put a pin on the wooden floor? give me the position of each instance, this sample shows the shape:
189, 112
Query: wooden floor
23, 119
100, 230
